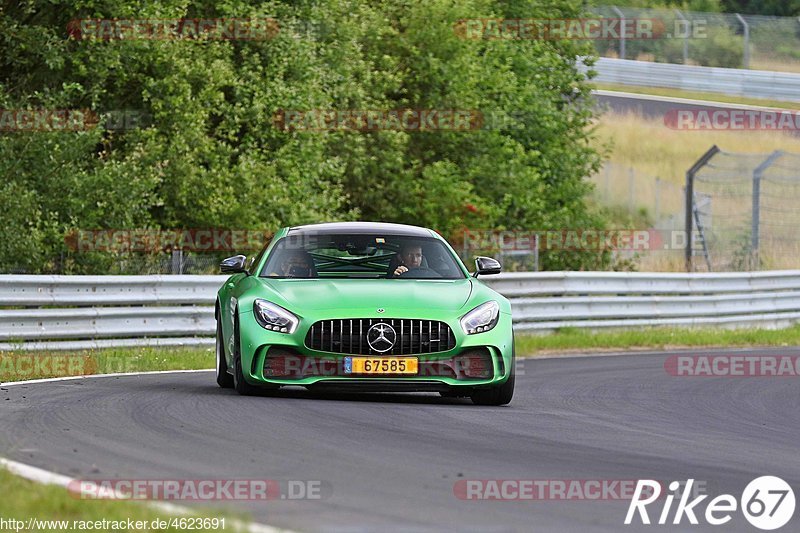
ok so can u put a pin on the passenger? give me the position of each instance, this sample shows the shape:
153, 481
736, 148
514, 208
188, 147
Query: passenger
295, 264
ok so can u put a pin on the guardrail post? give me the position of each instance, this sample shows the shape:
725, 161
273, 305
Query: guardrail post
621, 16
746, 51
690, 174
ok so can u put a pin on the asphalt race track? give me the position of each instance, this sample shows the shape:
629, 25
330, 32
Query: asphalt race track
390, 461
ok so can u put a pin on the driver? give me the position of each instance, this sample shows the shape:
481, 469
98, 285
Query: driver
409, 256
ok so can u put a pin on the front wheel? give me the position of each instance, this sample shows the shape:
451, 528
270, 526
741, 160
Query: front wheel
239, 383
500, 395
454, 394
224, 379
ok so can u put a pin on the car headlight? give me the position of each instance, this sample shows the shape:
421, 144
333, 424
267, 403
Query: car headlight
482, 318
274, 317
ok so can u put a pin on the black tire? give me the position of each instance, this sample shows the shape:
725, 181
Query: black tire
500, 395
224, 379
454, 394
239, 383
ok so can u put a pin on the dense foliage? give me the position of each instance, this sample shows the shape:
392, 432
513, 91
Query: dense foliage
781, 8
206, 151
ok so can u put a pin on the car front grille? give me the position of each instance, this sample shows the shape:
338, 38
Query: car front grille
349, 336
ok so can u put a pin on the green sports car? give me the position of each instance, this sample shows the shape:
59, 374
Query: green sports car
363, 306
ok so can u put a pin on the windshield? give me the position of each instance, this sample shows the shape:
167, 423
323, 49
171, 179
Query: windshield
362, 256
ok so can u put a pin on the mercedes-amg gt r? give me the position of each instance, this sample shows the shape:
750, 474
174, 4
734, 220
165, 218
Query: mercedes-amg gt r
364, 306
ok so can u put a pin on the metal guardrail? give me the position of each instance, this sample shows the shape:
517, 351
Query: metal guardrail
77, 312
737, 82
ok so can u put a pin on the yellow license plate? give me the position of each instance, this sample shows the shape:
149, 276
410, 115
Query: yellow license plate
381, 365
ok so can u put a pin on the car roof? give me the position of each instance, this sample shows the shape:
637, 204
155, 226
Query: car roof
383, 228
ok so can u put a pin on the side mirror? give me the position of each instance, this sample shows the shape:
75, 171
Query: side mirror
485, 266
233, 265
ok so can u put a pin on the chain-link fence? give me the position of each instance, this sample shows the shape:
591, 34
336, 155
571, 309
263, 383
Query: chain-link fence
130, 263
745, 210
651, 198
647, 203
707, 39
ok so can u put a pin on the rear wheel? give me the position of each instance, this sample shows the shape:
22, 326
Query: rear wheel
224, 379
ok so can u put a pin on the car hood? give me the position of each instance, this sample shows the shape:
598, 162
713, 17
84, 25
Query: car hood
317, 294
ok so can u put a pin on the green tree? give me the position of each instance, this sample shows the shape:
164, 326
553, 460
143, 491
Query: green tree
209, 152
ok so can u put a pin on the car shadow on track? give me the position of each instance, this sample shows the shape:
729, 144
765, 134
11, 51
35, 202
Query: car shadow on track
382, 397
298, 393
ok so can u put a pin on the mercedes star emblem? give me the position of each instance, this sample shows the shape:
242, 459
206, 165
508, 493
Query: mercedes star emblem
381, 337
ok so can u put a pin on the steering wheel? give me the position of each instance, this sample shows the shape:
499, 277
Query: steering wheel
420, 273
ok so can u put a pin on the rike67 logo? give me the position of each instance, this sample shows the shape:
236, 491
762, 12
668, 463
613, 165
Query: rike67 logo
767, 503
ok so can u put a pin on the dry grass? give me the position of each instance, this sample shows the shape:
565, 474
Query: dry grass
640, 149
764, 62
653, 149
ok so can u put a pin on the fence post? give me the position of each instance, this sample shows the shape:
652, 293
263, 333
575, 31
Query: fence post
657, 214
621, 16
758, 173
685, 37
746, 51
631, 185
177, 261
690, 174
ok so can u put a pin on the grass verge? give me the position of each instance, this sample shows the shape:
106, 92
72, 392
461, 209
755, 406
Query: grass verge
16, 366
24, 365
577, 340
37, 507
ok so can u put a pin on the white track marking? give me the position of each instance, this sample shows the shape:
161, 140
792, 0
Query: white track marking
89, 376
45, 477
39, 475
